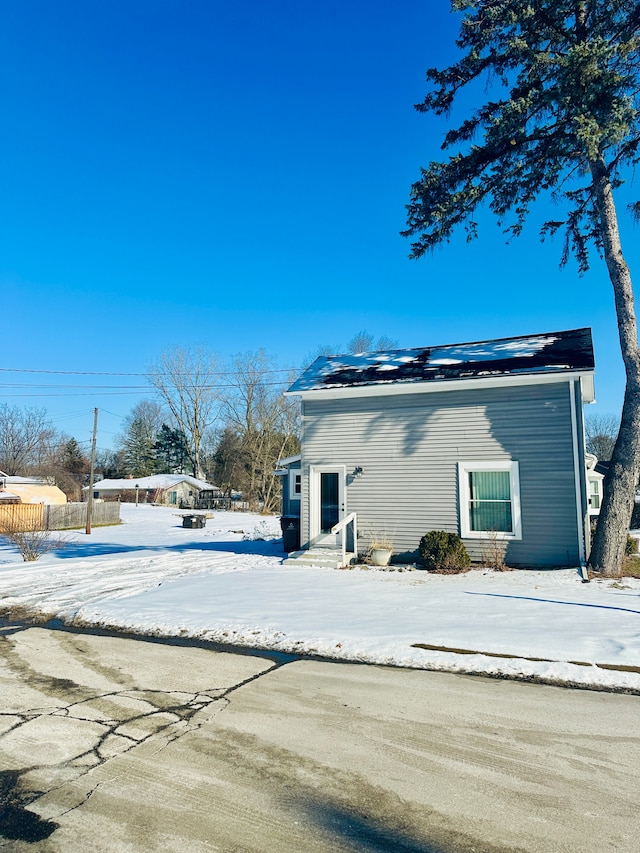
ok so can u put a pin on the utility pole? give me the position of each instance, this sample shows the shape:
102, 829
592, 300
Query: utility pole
91, 475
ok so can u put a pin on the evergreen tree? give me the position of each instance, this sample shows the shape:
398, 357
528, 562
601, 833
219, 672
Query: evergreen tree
563, 118
138, 450
136, 444
170, 450
75, 467
68, 466
73, 459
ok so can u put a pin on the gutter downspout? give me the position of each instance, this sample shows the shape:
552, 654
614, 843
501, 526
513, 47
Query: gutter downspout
578, 485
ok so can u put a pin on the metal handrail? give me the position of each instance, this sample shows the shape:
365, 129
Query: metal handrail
352, 519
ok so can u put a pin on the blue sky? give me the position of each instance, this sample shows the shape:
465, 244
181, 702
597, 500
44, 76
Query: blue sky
234, 174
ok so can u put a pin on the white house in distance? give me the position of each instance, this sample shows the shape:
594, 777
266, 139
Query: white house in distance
179, 490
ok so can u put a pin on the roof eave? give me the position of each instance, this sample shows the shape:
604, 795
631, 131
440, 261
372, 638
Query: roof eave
586, 378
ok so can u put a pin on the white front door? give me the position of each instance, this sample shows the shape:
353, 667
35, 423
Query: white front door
328, 503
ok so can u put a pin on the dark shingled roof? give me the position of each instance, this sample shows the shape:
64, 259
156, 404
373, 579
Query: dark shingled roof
550, 352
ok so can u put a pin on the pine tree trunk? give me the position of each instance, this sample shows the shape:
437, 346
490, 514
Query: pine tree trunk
608, 551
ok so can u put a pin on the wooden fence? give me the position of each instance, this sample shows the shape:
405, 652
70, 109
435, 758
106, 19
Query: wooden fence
56, 517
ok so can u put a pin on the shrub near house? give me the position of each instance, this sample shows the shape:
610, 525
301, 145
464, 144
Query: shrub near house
442, 551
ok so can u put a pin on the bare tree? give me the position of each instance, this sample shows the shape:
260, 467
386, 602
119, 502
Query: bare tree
601, 432
186, 380
28, 532
364, 341
317, 352
228, 464
68, 465
109, 464
26, 438
265, 423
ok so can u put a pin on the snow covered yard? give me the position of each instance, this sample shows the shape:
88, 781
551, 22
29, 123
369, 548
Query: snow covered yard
226, 583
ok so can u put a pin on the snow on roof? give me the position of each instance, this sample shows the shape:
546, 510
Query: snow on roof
155, 481
550, 352
33, 481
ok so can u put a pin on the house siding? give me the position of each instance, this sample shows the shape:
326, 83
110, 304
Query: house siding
409, 447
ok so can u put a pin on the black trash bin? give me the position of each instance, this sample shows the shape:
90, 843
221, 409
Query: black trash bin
194, 521
290, 525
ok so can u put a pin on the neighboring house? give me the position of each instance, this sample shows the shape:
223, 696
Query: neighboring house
603, 469
29, 490
179, 490
482, 439
595, 479
290, 472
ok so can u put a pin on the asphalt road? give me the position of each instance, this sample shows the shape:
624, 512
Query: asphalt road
111, 744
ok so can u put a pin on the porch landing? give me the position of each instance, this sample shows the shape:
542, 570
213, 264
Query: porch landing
324, 558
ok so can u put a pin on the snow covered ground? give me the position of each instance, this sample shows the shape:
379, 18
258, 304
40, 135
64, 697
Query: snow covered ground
226, 583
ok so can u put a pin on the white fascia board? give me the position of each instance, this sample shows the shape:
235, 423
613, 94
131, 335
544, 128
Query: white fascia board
587, 387
431, 387
289, 460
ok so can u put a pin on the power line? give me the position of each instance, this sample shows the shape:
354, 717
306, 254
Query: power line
60, 385
68, 372
115, 415
207, 387
79, 394
108, 390
111, 373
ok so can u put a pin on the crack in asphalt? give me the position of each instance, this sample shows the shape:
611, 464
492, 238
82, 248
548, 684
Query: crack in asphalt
170, 716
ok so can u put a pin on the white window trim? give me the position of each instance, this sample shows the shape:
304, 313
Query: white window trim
594, 492
464, 468
293, 474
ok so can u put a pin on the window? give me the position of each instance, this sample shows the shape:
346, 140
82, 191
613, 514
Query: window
173, 497
489, 500
295, 484
594, 486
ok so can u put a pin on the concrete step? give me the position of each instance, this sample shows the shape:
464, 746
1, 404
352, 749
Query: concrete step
324, 558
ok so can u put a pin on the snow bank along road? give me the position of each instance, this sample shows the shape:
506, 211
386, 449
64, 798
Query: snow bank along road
221, 583
119, 745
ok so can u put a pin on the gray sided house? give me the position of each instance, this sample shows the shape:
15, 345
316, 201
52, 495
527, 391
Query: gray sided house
481, 439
